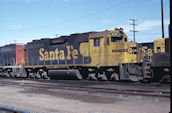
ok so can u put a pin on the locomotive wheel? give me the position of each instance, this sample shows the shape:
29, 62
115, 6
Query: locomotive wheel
102, 76
37, 75
92, 76
13, 75
166, 79
31, 75
44, 75
7, 75
114, 76
108, 75
84, 73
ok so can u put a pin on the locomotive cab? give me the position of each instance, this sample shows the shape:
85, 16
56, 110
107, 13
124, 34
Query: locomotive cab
110, 49
106, 48
117, 36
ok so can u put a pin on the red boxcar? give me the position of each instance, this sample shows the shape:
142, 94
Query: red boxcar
20, 53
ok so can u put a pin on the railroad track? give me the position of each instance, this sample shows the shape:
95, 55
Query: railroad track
92, 82
69, 85
4, 109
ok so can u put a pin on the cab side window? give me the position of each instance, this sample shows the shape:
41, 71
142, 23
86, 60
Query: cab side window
97, 42
125, 39
158, 50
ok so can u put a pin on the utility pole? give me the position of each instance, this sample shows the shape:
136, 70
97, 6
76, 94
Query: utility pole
162, 18
134, 31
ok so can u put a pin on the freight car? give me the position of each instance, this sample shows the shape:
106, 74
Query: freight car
105, 55
11, 59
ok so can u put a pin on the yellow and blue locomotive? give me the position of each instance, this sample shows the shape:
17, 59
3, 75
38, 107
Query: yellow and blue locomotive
105, 55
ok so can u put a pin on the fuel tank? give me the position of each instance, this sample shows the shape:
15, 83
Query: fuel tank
70, 74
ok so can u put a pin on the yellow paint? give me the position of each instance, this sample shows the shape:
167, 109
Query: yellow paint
75, 53
46, 56
57, 54
52, 55
143, 53
112, 53
150, 52
68, 52
61, 56
41, 50
84, 49
159, 45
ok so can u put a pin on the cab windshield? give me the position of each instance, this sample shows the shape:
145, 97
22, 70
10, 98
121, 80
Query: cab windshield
114, 34
116, 39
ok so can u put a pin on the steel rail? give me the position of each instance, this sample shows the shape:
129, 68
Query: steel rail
5, 109
157, 93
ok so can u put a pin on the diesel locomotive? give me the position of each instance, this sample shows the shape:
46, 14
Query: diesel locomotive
104, 55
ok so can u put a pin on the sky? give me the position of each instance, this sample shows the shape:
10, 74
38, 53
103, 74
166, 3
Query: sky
25, 20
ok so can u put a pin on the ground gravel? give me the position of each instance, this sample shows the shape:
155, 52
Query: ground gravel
34, 100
